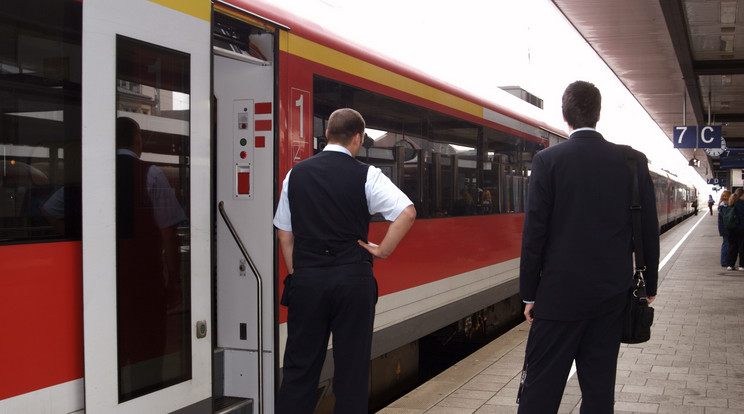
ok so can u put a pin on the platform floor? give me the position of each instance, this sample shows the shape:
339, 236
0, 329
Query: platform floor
694, 362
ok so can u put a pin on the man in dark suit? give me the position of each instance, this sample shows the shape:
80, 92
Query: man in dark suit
577, 258
323, 219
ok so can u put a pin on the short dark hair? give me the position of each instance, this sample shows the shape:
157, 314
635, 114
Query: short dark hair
126, 128
343, 124
581, 104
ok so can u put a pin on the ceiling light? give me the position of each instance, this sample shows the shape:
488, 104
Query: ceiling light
727, 43
728, 12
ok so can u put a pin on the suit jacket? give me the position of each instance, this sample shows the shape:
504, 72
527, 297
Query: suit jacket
577, 237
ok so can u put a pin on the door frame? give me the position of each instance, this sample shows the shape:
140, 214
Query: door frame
186, 28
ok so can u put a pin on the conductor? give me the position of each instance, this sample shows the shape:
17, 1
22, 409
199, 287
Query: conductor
322, 219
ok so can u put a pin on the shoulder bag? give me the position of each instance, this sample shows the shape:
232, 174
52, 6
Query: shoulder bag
638, 316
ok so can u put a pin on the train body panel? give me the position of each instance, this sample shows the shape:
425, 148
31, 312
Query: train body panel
430, 255
463, 160
49, 351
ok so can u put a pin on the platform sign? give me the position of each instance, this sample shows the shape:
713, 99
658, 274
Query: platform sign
723, 182
732, 158
692, 136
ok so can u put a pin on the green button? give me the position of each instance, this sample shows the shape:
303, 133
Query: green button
243, 141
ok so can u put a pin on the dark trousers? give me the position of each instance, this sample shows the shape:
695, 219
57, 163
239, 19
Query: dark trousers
339, 300
736, 247
725, 249
551, 348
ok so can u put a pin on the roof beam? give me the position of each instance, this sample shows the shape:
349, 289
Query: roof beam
728, 117
677, 26
718, 67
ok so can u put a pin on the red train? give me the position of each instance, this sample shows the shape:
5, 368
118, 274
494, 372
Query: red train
227, 96
673, 199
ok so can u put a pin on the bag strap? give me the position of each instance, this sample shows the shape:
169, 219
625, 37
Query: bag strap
635, 210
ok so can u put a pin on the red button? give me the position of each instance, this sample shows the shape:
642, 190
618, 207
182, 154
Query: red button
244, 183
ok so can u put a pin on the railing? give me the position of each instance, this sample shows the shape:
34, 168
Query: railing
259, 301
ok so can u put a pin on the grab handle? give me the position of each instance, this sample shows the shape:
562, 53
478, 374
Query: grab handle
259, 310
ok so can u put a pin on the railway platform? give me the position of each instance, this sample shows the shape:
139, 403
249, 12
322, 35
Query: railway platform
694, 362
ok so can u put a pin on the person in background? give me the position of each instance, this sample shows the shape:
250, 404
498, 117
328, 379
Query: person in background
736, 235
149, 273
576, 264
464, 205
322, 222
722, 230
710, 203
487, 201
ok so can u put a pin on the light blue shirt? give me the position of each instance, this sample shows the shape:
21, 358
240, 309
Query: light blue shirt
166, 208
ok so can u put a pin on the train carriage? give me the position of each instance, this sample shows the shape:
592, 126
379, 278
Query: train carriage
673, 198
102, 316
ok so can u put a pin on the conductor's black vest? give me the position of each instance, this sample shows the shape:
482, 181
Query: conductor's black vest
329, 210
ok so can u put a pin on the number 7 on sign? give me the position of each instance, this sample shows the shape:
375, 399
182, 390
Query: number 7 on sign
685, 136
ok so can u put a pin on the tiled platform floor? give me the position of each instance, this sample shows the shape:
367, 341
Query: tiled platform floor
694, 362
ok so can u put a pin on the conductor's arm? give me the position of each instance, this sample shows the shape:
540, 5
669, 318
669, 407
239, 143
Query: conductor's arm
394, 234
286, 244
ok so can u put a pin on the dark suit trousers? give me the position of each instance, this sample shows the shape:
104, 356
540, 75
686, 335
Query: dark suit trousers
551, 348
339, 300
736, 247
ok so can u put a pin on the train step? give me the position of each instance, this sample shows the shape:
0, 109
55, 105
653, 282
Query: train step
232, 405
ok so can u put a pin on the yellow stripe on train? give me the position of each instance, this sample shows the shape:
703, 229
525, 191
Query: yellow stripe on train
201, 9
315, 52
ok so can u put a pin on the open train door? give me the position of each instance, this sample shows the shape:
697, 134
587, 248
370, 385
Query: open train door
146, 226
244, 50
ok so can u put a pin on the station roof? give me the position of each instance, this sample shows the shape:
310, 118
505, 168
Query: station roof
683, 60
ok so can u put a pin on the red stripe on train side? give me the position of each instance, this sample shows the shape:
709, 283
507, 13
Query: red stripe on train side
435, 249
41, 311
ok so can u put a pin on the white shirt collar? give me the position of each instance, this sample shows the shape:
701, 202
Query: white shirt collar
337, 148
582, 129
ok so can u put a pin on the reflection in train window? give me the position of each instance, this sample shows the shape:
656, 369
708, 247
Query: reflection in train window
40, 121
446, 165
152, 217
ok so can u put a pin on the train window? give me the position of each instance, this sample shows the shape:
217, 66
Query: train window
152, 217
446, 165
40, 120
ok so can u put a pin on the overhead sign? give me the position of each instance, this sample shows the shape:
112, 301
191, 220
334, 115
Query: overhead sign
692, 136
723, 182
732, 158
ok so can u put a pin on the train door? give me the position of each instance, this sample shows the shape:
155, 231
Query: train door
244, 73
146, 209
